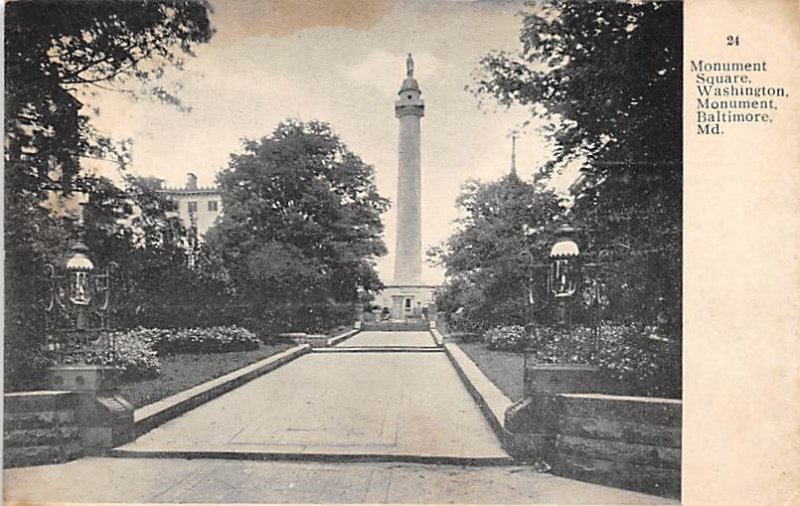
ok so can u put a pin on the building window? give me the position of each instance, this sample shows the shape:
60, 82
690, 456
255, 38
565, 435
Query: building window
408, 303
212, 205
192, 207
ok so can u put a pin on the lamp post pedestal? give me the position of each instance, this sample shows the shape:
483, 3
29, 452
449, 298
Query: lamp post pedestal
561, 312
104, 418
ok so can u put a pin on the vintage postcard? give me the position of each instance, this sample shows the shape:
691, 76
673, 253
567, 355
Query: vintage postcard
401, 251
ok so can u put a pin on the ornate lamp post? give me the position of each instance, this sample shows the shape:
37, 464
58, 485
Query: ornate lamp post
77, 319
79, 302
564, 276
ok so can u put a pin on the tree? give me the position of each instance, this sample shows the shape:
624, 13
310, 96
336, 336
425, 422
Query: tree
606, 77
482, 259
138, 228
302, 217
56, 53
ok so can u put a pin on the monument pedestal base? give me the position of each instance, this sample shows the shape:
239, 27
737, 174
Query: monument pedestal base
407, 301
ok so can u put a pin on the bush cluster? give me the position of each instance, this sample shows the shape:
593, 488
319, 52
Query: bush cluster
25, 368
154, 330
265, 321
204, 340
508, 338
643, 366
132, 353
136, 352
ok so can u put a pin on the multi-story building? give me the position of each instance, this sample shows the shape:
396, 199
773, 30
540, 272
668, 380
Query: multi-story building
198, 207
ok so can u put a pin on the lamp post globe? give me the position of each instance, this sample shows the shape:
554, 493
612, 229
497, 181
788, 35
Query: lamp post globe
564, 275
79, 269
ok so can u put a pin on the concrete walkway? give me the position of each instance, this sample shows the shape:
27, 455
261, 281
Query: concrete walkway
358, 406
104, 480
331, 411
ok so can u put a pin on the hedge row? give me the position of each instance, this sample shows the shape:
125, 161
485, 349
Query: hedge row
136, 352
205, 340
264, 321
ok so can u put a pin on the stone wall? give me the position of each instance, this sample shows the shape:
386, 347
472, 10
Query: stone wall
568, 419
40, 428
627, 442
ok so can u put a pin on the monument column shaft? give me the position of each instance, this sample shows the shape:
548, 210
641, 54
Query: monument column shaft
408, 259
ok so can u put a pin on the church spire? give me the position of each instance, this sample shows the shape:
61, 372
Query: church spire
513, 154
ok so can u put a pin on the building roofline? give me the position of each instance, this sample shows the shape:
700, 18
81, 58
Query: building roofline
196, 191
410, 286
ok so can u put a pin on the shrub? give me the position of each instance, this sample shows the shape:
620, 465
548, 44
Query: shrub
26, 358
202, 340
133, 353
25, 368
508, 338
309, 318
263, 320
644, 366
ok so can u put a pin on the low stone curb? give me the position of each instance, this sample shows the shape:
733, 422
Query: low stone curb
311, 457
492, 402
347, 335
148, 417
437, 336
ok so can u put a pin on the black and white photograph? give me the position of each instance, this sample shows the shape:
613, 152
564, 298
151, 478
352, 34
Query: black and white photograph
392, 251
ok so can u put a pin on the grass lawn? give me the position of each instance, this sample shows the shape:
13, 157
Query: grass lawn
503, 368
186, 370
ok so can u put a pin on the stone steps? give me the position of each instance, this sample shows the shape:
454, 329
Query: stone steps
379, 349
396, 326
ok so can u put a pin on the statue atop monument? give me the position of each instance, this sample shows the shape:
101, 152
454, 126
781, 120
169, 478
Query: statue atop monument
410, 66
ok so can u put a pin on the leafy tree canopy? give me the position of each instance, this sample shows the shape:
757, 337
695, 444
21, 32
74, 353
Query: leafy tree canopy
302, 217
606, 77
482, 259
57, 52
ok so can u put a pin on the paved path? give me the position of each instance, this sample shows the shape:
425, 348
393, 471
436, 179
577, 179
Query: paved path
384, 405
398, 406
202, 481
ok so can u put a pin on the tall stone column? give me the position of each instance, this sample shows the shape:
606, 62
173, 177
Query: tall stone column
409, 108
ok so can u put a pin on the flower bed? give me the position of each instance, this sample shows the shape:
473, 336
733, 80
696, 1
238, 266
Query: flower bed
133, 354
508, 338
139, 352
266, 321
202, 340
645, 366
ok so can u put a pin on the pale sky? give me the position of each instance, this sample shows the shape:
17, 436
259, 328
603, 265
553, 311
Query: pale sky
272, 60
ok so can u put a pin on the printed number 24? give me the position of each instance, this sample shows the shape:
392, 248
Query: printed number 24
733, 40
